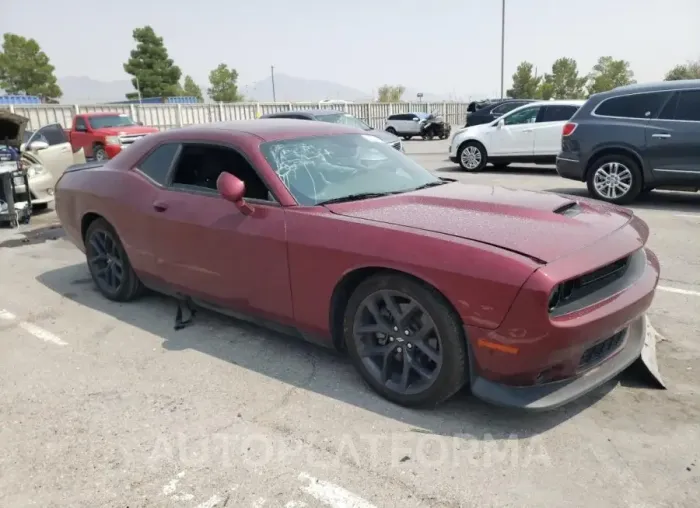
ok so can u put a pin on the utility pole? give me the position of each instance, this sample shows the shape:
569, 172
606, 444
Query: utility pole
138, 89
503, 42
272, 74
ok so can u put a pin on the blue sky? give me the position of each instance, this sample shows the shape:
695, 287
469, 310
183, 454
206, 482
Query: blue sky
440, 46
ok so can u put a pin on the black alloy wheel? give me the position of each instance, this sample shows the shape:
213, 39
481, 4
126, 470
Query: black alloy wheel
404, 340
108, 263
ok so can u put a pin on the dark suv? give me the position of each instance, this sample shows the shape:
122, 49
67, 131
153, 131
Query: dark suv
633, 139
479, 113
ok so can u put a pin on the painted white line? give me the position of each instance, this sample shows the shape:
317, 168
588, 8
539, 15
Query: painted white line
210, 503
678, 291
295, 504
687, 215
332, 495
36, 331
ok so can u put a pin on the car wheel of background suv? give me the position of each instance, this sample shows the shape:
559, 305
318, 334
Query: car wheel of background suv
391, 130
472, 156
615, 178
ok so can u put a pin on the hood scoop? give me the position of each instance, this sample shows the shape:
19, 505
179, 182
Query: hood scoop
569, 210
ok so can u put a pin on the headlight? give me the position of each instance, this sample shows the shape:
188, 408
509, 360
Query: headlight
35, 170
112, 140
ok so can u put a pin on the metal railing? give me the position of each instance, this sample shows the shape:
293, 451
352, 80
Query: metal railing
168, 116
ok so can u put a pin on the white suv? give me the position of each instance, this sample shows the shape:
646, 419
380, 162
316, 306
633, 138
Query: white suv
528, 134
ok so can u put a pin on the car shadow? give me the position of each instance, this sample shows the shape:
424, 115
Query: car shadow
306, 366
655, 200
513, 169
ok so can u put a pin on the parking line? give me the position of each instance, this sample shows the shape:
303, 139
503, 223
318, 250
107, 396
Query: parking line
36, 331
332, 495
688, 215
678, 291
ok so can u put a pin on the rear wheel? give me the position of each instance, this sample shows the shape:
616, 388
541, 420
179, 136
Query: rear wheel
472, 156
405, 341
392, 130
615, 178
407, 138
108, 263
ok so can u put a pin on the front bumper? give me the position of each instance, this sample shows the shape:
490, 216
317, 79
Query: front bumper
538, 360
555, 394
41, 187
113, 150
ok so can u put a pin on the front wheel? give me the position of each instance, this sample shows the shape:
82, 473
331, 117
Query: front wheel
616, 179
108, 263
99, 153
391, 130
405, 341
472, 156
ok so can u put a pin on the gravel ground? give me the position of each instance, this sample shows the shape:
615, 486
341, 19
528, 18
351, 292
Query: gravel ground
106, 405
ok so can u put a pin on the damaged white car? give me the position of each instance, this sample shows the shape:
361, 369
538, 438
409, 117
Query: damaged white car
44, 154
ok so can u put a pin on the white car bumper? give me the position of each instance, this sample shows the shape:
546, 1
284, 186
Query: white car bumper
41, 187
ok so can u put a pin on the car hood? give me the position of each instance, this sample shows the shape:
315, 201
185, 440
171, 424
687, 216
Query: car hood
540, 225
12, 128
385, 136
125, 130
473, 129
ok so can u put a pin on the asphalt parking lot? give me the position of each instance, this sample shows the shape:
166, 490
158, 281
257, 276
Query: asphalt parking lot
103, 404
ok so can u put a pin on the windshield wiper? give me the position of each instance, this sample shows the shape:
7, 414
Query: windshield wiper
356, 197
431, 184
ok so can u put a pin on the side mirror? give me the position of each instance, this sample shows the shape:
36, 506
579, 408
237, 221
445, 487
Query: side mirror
233, 189
416, 119
35, 146
80, 128
500, 123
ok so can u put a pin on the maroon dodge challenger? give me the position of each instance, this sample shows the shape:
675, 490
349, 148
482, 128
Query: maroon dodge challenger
531, 299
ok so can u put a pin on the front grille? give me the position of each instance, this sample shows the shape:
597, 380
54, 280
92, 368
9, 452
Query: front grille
599, 352
396, 145
580, 287
127, 140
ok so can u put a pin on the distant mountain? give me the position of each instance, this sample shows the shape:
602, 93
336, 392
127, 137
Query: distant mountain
291, 89
85, 90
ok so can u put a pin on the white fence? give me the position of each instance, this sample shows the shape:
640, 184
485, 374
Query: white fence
167, 116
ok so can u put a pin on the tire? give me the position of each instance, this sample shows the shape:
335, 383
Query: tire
407, 138
477, 147
99, 153
501, 165
391, 130
448, 375
628, 171
99, 234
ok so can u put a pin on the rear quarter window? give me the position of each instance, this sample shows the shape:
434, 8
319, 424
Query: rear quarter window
156, 165
640, 105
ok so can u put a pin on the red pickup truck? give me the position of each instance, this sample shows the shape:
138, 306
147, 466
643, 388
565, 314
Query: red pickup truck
104, 135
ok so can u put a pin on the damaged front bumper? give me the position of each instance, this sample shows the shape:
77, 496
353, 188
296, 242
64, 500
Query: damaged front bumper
639, 342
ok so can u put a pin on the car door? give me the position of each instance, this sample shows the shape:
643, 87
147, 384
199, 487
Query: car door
412, 124
673, 139
548, 128
205, 247
79, 135
513, 134
59, 154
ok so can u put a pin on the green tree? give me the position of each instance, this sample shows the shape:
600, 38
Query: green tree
223, 84
390, 93
25, 69
691, 70
525, 83
155, 74
609, 73
564, 82
191, 89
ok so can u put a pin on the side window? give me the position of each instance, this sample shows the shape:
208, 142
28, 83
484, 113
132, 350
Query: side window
504, 108
200, 165
641, 105
688, 106
53, 134
669, 110
558, 113
393, 117
80, 124
527, 115
157, 164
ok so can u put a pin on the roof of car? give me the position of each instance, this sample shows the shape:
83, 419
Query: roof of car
560, 102
271, 129
656, 86
306, 112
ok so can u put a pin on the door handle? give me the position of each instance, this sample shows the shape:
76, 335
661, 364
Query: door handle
528, 130
160, 206
663, 136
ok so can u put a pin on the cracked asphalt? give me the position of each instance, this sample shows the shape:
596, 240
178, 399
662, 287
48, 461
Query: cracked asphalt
103, 404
